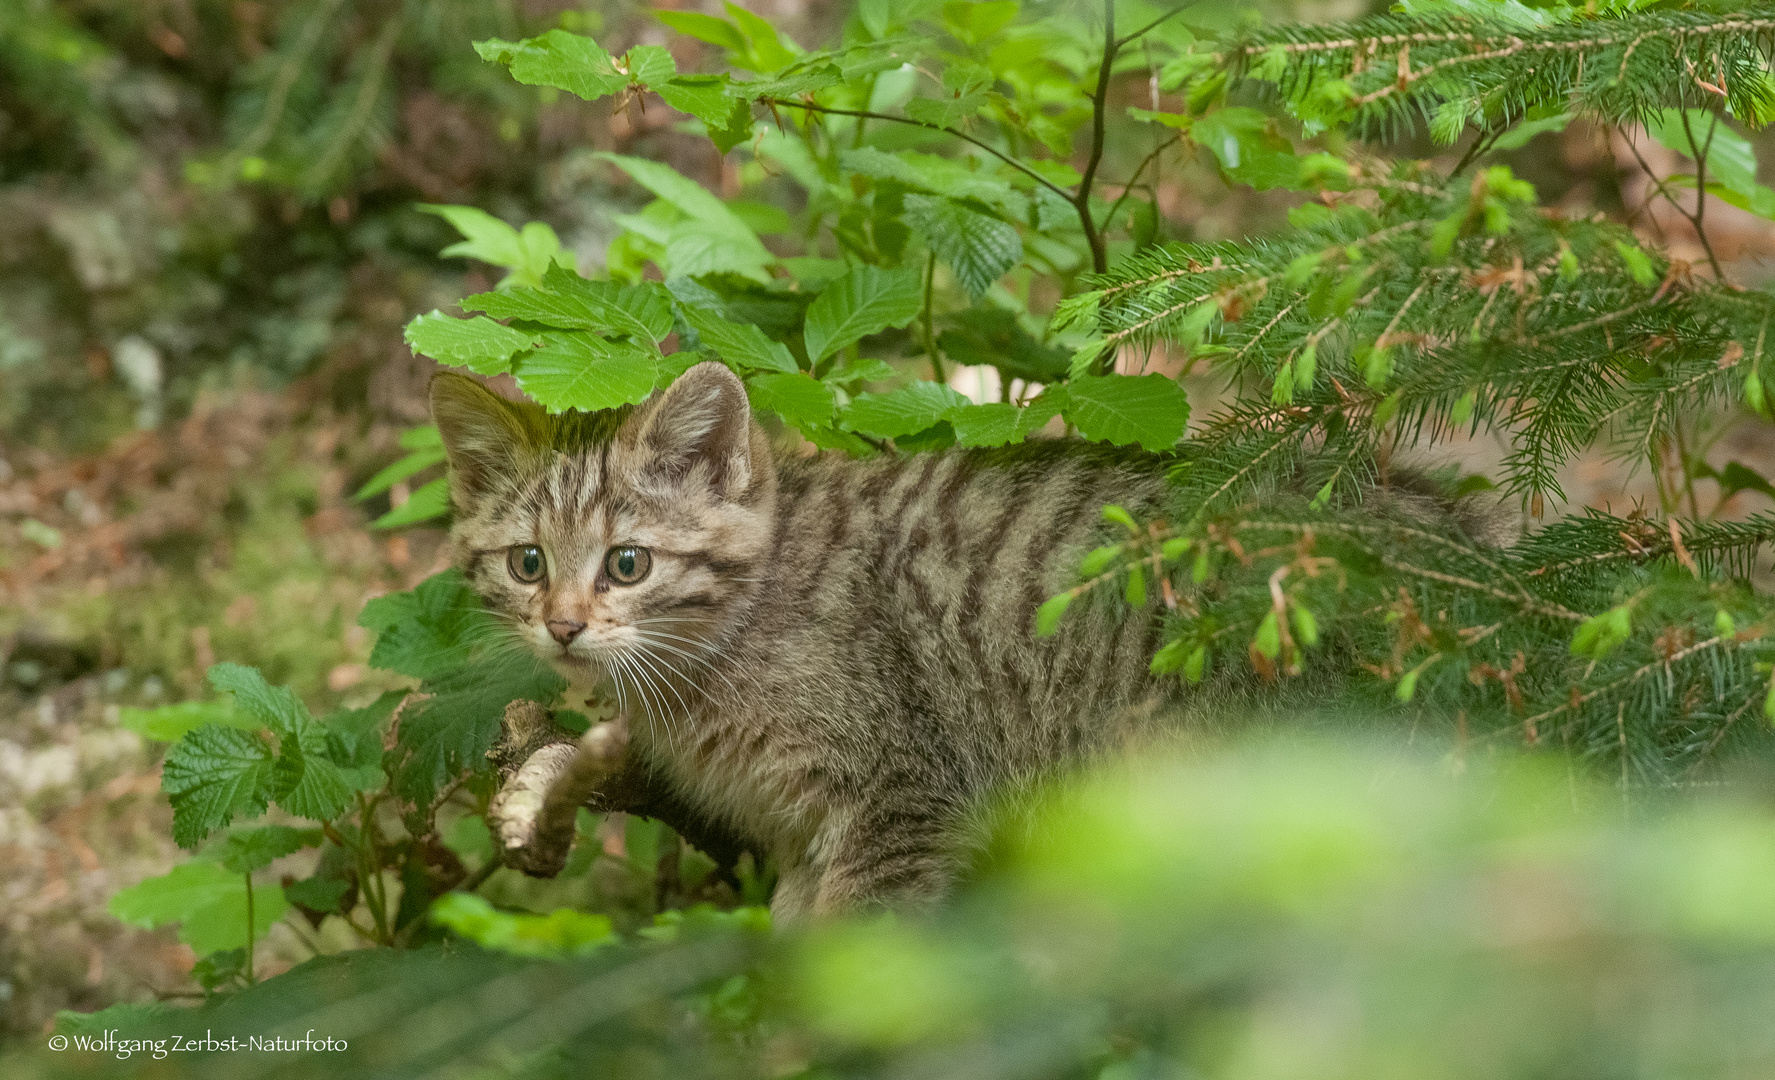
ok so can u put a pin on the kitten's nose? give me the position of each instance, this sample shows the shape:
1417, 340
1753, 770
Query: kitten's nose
565, 630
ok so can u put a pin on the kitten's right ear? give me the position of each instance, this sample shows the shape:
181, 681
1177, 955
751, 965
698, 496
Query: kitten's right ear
486, 436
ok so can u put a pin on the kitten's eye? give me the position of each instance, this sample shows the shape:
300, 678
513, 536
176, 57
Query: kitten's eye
627, 565
526, 563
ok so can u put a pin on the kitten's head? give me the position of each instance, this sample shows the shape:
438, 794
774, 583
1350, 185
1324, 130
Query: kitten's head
627, 537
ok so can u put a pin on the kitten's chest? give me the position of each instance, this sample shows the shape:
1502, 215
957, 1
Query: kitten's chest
732, 767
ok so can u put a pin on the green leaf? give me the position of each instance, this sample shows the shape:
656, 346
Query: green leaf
706, 28
1599, 635
1638, 264
213, 775
439, 633
714, 240
1247, 147
702, 96
563, 932
1520, 136
527, 253
1149, 410
1047, 617
410, 465
587, 372
169, 723
312, 787
998, 423
570, 302
1119, 515
255, 849
1196, 664
977, 246
1736, 477
1731, 160
975, 22
798, 398
430, 502
1306, 626
649, 64
994, 337
865, 301
947, 111
479, 344
740, 344
1268, 639
565, 61
906, 411
277, 707
208, 901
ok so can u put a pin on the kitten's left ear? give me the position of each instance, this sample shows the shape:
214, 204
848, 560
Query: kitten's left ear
697, 432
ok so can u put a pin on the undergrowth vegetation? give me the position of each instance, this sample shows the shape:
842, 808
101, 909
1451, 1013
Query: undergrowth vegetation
910, 243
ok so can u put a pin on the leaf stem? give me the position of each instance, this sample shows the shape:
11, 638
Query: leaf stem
249, 879
930, 339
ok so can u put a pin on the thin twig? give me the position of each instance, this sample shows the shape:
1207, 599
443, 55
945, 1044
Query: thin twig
808, 106
1700, 153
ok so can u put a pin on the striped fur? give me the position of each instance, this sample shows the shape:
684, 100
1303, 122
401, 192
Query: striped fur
833, 659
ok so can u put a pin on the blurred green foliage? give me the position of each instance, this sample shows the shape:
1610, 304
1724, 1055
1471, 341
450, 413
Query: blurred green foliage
1273, 910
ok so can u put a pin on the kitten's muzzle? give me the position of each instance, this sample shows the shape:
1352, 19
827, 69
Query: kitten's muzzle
565, 630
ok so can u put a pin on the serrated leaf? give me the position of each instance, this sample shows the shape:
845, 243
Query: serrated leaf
212, 775
798, 398
865, 301
169, 723
208, 901
254, 849
430, 502
587, 372
906, 411
1149, 410
277, 707
569, 62
741, 344
355, 735
439, 633
312, 787
976, 246
479, 344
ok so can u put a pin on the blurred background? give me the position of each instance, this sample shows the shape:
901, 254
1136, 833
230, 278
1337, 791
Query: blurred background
210, 241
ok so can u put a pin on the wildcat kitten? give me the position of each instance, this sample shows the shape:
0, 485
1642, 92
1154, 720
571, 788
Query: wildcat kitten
832, 661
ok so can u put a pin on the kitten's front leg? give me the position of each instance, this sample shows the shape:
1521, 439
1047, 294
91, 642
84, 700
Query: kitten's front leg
877, 858
547, 779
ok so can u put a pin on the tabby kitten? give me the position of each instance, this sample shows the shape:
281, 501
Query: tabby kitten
832, 660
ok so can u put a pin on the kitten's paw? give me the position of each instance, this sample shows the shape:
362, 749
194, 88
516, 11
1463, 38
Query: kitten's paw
534, 814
